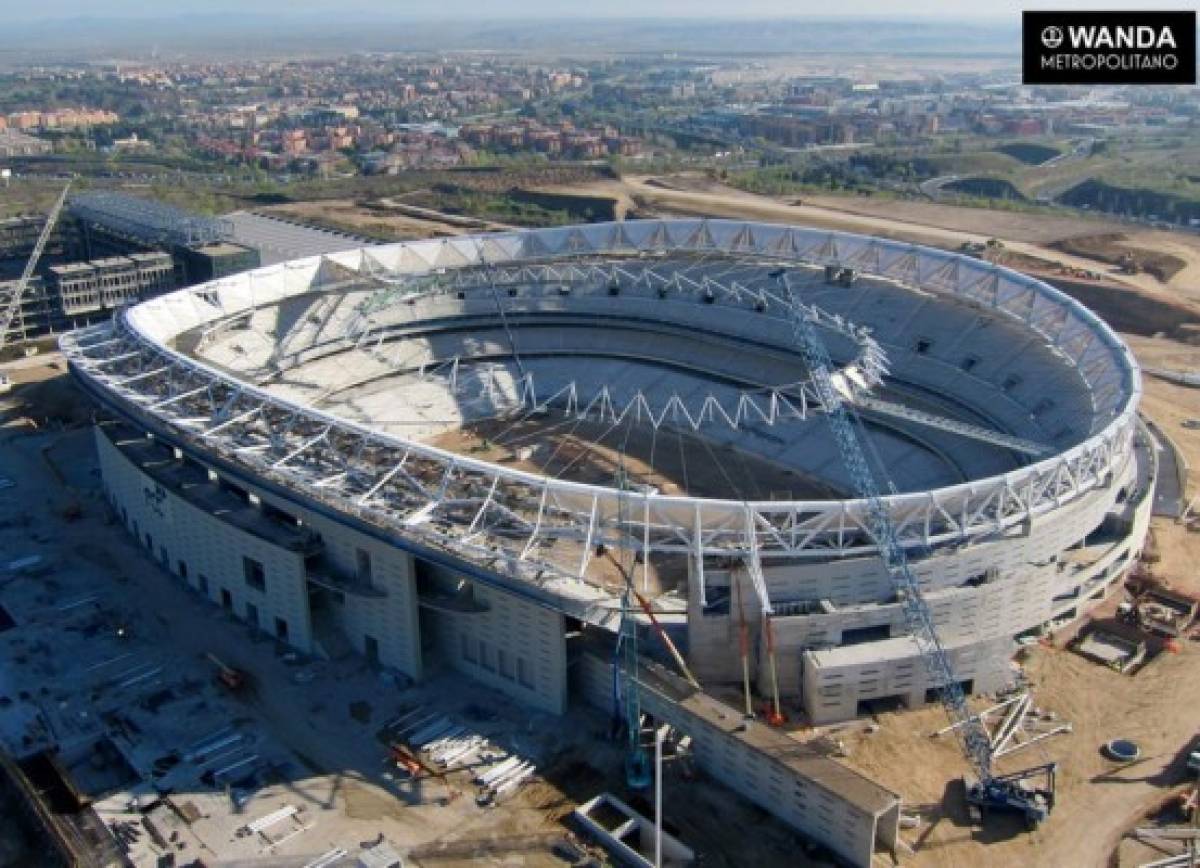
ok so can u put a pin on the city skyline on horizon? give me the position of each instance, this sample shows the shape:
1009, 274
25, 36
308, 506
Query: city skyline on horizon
1001, 11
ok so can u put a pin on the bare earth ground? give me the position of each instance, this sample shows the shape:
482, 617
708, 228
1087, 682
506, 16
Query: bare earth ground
339, 756
1114, 247
919, 222
1098, 800
595, 452
1160, 706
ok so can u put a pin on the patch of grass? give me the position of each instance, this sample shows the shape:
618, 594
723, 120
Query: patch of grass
503, 207
973, 163
1178, 205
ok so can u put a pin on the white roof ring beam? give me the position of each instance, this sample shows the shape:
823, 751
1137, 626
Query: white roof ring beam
134, 362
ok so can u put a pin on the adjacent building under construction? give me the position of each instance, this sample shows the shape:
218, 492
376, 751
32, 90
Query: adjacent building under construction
106, 250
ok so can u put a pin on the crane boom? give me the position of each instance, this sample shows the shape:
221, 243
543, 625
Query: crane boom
972, 735
1014, 792
13, 304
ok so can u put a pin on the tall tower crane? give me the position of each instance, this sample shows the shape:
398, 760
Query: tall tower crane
12, 305
625, 669
989, 791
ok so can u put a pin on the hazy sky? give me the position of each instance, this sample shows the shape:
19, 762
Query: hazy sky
484, 9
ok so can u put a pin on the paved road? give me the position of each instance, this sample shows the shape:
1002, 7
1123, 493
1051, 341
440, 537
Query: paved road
1168, 490
933, 187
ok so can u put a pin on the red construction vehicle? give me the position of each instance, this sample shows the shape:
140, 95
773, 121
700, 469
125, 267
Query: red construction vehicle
232, 679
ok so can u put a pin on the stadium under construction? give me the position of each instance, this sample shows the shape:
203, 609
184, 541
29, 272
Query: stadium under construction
464, 454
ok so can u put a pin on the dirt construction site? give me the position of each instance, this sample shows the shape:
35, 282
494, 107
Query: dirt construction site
331, 784
1100, 802
298, 761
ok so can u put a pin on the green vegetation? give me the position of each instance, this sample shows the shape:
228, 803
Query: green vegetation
1134, 201
505, 207
822, 176
871, 172
1150, 176
1147, 176
198, 199
985, 162
1017, 205
28, 198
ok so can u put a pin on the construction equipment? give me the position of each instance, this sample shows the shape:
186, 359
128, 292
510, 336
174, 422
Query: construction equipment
625, 672
775, 715
988, 791
404, 756
405, 759
1016, 723
230, 678
743, 646
12, 305
661, 632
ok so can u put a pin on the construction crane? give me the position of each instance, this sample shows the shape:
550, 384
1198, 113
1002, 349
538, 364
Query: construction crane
625, 663
637, 761
988, 791
13, 304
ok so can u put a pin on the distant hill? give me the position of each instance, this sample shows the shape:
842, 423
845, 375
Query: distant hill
461, 25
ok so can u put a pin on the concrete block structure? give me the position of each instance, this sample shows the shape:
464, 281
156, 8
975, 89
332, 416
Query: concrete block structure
457, 453
795, 782
102, 284
109, 222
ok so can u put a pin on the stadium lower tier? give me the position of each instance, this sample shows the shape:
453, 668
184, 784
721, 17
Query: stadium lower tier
328, 582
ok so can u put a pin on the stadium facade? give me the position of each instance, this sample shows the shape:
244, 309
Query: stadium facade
453, 453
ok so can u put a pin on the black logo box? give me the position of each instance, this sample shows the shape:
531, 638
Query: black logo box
1048, 34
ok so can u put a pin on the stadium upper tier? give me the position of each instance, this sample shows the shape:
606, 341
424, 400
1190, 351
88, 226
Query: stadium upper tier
356, 377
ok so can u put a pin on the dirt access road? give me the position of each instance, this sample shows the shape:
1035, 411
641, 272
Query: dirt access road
923, 223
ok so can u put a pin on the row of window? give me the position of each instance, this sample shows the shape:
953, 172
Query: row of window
254, 573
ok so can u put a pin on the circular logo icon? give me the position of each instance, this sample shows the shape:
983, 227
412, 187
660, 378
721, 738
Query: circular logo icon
1052, 37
